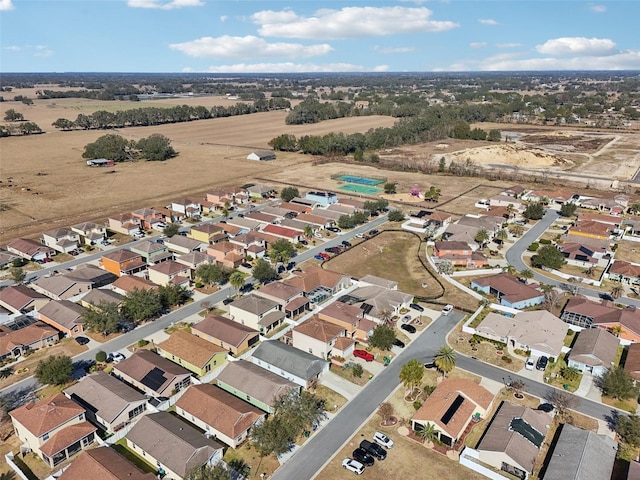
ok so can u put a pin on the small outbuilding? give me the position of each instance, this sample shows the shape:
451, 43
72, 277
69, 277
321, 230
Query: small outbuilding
262, 155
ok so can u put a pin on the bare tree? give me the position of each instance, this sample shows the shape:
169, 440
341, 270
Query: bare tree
563, 401
385, 410
552, 299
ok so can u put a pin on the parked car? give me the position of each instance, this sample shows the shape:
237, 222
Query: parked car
227, 301
364, 355
318, 257
541, 364
353, 466
381, 439
416, 307
82, 340
115, 357
546, 407
334, 229
105, 243
48, 259
247, 265
398, 343
447, 310
373, 232
359, 235
373, 449
291, 266
406, 319
346, 244
326, 256
362, 456
317, 235
408, 328
530, 364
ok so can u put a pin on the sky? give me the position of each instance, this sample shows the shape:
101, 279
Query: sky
238, 36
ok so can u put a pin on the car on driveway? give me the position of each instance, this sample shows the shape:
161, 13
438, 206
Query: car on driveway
416, 307
353, 466
318, 257
363, 354
530, 364
406, 319
398, 343
546, 407
82, 340
346, 244
541, 364
447, 310
373, 449
334, 229
362, 456
373, 232
116, 357
408, 328
381, 439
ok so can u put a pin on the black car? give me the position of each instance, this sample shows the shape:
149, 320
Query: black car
361, 455
346, 244
82, 340
227, 301
291, 265
334, 229
373, 449
546, 407
373, 232
408, 328
416, 307
398, 343
247, 265
541, 364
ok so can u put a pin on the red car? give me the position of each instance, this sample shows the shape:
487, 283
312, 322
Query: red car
326, 256
364, 355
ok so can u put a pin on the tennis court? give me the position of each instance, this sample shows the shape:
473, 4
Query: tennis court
352, 187
360, 180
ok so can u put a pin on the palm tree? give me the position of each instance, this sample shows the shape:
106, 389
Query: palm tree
616, 330
445, 359
516, 230
237, 280
617, 291
510, 269
502, 235
482, 237
385, 315
510, 209
411, 375
429, 433
527, 274
308, 231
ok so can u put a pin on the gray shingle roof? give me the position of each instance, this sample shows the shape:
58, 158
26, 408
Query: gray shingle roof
290, 359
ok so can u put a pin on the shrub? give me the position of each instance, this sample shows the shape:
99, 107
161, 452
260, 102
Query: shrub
199, 285
533, 247
142, 342
506, 359
101, 356
545, 241
417, 404
357, 370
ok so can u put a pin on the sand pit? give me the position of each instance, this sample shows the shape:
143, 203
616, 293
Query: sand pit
507, 155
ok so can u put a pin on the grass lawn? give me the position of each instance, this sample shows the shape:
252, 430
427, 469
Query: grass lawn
552, 373
628, 405
178, 326
121, 447
485, 351
571, 336
51, 390
346, 373
11, 444
100, 338
249, 456
627, 251
330, 398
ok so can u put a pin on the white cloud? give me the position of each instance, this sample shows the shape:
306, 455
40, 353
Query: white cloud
392, 50
569, 46
30, 50
224, 18
42, 51
478, 44
13, 48
487, 21
508, 45
6, 5
349, 22
598, 8
247, 47
289, 67
164, 4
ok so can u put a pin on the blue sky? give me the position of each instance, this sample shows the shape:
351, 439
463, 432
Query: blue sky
317, 36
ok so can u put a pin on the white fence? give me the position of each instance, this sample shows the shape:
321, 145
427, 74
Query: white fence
470, 458
9, 459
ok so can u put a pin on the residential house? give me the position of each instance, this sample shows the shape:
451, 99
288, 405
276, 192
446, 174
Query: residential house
262, 155
189, 207
513, 439
90, 233
591, 229
123, 262
278, 212
451, 407
127, 284
63, 240
369, 280
539, 331
317, 222
124, 223
349, 317
488, 222
559, 196
99, 296
341, 209
290, 298
152, 374
110, 404
220, 198
91, 273
228, 254
624, 272
254, 384
193, 260
584, 255
103, 463
54, 428
248, 240
514, 191
61, 287
205, 232
152, 252
378, 303
294, 236
632, 361
256, 312
295, 207
7, 259
426, 218
357, 204
148, 217
291, 363
299, 226
173, 445
219, 413
231, 336
182, 245
169, 272
594, 351
261, 218
510, 291
192, 352
21, 299
585, 313
459, 254
508, 202
319, 284
317, 337
244, 223
632, 226
581, 454
461, 233
260, 191
30, 249
15, 343
322, 198
612, 221
230, 230
614, 206
331, 215
64, 315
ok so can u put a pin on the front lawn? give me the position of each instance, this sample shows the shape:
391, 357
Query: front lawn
484, 351
347, 374
553, 376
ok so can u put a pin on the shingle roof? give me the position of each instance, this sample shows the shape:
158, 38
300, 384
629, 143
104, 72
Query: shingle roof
25, 336
139, 365
279, 290
632, 362
63, 312
57, 285
595, 347
254, 304
66, 437
625, 268
122, 255
128, 283
106, 395
103, 463
28, 246
19, 296
46, 414
289, 359
90, 273
225, 329
509, 286
169, 268
191, 349
314, 277
97, 295
319, 329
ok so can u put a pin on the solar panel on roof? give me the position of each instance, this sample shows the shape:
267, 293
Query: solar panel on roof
366, 308
154, 379
521, 427
451, 411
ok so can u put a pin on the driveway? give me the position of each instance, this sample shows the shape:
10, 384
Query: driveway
340, 385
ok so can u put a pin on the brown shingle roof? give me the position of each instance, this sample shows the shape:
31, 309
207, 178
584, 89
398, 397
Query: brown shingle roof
319, 329
66, 437
509, 286
169, 268
19, 296
279, 290
46, 414
218, 408
25, 336
64, 313
342, 311
191, 349
103, 463
254, 304
632, 362
596, 347
314, 277
141, 363
122, 255
625, 268
230, 332
128, 283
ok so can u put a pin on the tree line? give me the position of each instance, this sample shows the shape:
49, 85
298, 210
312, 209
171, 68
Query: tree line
155, 147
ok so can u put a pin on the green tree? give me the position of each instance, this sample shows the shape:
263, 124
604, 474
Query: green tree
171, 230
382, 337
282, 251
461, 130
208, 472
211, 273
389, 187
568, 209
18, 275
429, 433
236, 279
263, 271
139, 305
345, 222
63, 124
12, 116
494, 136
103, 317
526, 274
396, 216
308, 230
54, 370
502, 235
156, 147
534, 211
445, 359
357, 370
111, 146
442, 165
628, 428
101, 356
289, 193
618, 383
171, 295
548, 256
482, 237
570, 373
411, 375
